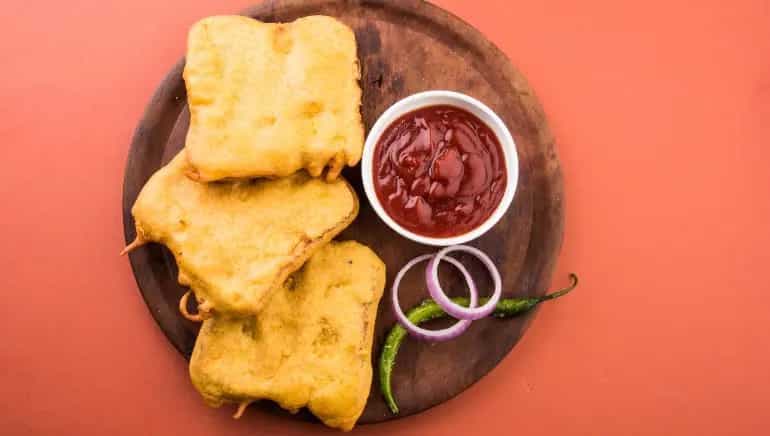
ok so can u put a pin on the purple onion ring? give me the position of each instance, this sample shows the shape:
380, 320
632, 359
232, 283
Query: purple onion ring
432, 335
442, 299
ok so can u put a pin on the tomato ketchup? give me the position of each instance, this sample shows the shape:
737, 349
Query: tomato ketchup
439, 171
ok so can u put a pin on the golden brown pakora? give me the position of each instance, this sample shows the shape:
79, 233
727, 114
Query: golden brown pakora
310, 346
269, 99
235, 243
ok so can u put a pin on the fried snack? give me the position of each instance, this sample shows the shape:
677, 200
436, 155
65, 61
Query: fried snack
235, 243
269, 99
310, 346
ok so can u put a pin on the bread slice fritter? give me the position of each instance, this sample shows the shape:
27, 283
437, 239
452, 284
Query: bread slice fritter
310, 346
235, 243
269, 99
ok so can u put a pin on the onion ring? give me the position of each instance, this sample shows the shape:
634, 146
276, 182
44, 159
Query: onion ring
432, 335
442, 299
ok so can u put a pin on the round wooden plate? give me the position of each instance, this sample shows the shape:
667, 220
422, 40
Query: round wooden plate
405, 46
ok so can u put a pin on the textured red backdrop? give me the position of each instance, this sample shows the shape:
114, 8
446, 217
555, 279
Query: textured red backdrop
657, 107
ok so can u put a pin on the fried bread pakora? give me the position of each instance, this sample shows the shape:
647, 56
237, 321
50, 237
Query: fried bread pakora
269, 99
235, 243
310, 346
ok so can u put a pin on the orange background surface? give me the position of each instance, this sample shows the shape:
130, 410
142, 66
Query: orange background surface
658, 110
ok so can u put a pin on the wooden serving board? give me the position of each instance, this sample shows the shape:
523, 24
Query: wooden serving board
405, 46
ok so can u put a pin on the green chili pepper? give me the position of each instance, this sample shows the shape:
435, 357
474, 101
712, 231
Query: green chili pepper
429, 310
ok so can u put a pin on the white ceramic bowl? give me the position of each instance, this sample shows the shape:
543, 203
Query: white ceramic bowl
462, 101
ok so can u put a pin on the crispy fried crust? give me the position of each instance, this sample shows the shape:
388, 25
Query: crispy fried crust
235, 243
267, 99
309, 347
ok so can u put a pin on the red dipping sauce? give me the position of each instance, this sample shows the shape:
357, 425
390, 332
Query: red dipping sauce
439, 171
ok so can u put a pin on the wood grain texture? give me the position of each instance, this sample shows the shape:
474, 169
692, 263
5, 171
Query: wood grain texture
405, 46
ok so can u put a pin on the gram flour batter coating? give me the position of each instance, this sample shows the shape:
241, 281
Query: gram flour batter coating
310, 346
268, 99
236, 243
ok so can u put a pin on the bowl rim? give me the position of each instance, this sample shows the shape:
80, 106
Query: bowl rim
462, 101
